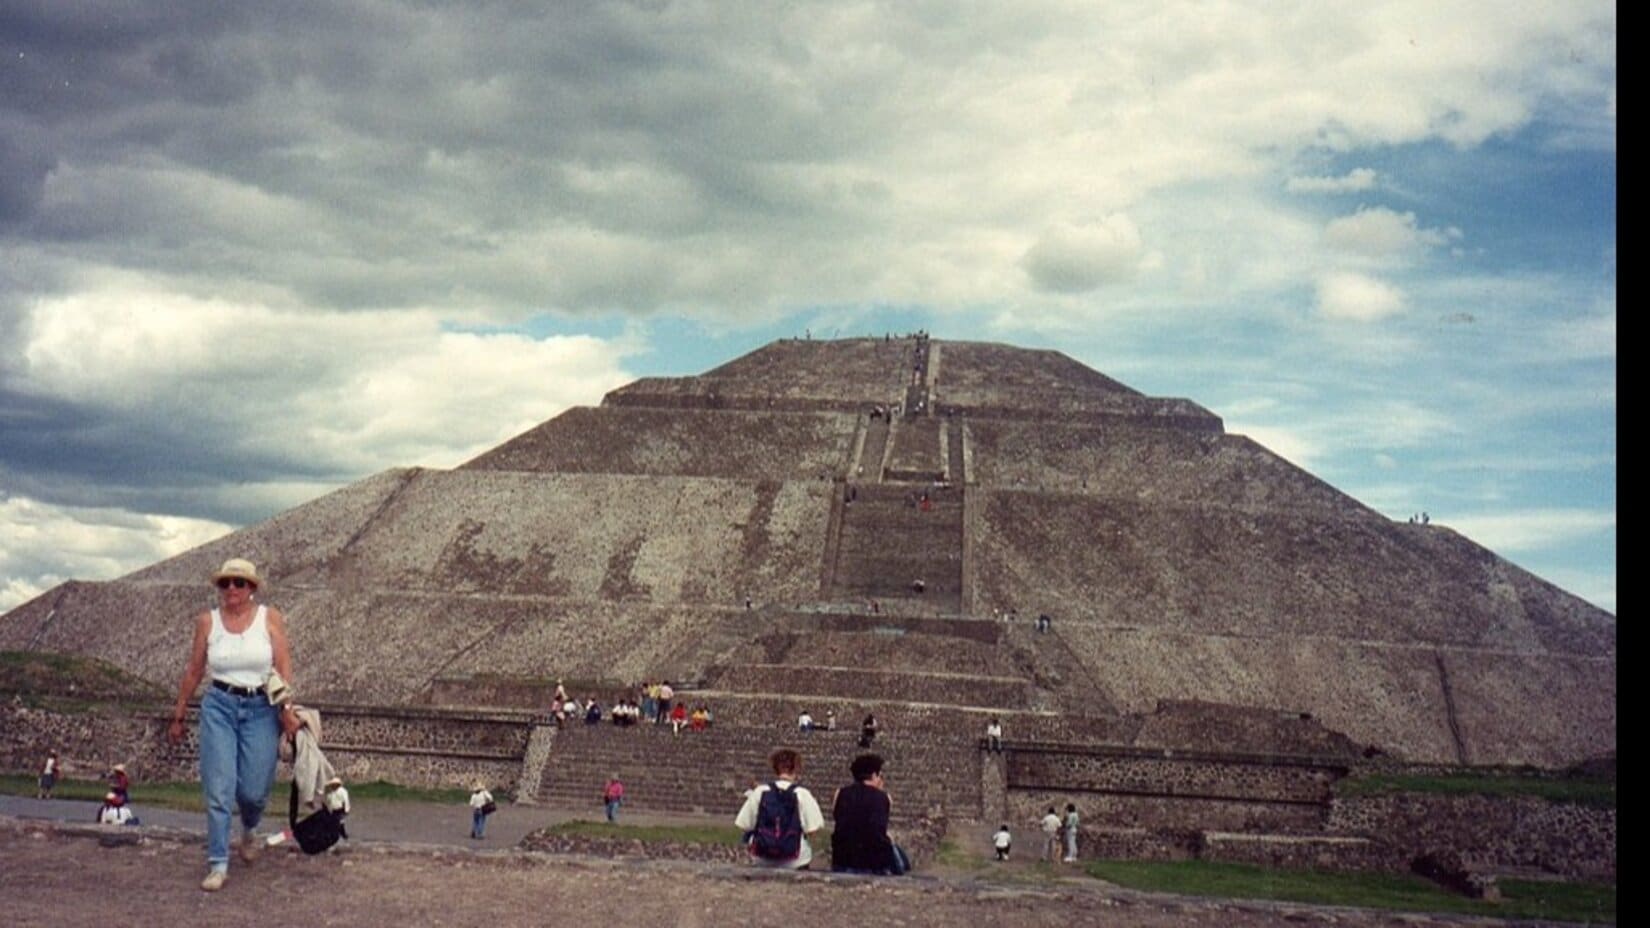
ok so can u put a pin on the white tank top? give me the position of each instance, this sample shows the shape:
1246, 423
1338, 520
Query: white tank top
240, 660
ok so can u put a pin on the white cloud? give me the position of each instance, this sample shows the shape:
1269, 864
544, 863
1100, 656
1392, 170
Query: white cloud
47, 544
1352, 181
1298, 448
1380, 232
349, 392
1078, 258
1534, 529
1354, 297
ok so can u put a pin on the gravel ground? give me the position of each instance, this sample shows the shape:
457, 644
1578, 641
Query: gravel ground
57, 873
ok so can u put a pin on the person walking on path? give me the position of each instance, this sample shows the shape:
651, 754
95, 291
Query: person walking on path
1051, 836
48, 775
612, 798
237, 644
481, 806
994, 736
1070, 827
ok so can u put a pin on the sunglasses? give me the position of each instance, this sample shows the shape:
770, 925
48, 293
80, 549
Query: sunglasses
238, 583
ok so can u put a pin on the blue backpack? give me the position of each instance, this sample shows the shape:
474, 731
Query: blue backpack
778, 832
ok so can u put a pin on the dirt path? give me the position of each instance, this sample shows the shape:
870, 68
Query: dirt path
63, 874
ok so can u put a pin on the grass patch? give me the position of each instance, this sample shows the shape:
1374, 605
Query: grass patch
949, 854
1587, 791
186, 795
678, 834
1578, 902
45, 680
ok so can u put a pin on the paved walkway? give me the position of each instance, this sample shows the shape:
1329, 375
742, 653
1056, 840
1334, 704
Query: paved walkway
400, 821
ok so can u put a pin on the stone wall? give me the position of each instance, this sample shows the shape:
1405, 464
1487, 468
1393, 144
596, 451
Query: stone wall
682, 442
1147, 775
875, 685
1488, 831
410, 747
1169, 815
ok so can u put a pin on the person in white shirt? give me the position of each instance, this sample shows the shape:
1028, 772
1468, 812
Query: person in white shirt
113, 811
787, 768
1051, 835
1002, 841
805, 722
337, 802
479, 800
994, 737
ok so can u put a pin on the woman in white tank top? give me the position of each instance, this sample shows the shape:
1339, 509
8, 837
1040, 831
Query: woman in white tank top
236, 645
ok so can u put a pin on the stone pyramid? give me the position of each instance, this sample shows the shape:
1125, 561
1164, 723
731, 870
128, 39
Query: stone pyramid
671, 530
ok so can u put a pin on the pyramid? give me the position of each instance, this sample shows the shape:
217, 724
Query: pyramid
677, 528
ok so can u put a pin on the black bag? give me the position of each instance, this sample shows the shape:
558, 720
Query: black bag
778, 832
317, 831
489, 807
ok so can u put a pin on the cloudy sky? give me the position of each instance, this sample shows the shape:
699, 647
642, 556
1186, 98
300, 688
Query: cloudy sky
252, 252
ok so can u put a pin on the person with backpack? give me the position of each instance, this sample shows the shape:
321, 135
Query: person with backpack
777, 817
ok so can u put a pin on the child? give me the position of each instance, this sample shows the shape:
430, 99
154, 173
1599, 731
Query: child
1002, 840
337, 802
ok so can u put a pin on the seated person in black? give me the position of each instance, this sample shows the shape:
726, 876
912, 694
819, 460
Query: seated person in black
859, 840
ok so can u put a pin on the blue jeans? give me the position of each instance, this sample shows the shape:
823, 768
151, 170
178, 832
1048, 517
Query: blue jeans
238, 740
478, 824
613, 810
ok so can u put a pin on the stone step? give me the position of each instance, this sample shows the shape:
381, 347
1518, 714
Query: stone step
877, 685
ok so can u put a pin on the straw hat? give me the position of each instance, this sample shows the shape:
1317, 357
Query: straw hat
239, 567
335, 781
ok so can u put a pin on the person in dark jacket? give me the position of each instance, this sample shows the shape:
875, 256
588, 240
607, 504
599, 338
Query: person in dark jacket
859, 842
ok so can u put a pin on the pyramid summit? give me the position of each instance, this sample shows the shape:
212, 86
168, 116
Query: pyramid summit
862, 519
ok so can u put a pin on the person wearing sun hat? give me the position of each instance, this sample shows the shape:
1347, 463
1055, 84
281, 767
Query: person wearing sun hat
236, 644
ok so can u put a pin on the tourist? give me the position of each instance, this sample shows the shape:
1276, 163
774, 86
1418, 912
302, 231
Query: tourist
994, 736
868, 731
777, 828
336, 801
481, 806
114, 810
701, 718
561, 692
830, 720
612, 798
650, 700
48, 775
859, 835
1002, 841
119, 783
1069, 826
592, 712
678, 718
1051, 835
805, 723
238, 644
666, 694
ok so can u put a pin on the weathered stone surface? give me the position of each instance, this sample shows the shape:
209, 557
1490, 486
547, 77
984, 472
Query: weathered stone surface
1180, 565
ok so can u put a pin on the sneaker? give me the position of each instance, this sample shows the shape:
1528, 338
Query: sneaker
214, 880
250, 847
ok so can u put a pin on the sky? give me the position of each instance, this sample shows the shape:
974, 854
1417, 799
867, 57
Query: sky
250, 253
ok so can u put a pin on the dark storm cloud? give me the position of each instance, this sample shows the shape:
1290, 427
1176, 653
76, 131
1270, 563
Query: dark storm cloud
375, 155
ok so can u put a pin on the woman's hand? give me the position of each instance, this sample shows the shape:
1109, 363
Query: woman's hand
174, 731
290, 722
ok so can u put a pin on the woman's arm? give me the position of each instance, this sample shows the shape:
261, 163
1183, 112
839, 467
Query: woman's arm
282, 659
193, 671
